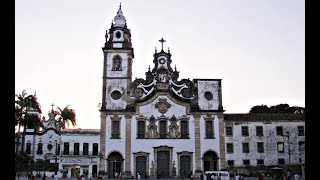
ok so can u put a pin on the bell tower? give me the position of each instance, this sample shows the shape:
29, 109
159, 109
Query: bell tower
117, 65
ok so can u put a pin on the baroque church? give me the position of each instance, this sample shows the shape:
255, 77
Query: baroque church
157, 126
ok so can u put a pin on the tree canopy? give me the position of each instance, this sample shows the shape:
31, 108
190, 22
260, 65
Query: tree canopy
280, 108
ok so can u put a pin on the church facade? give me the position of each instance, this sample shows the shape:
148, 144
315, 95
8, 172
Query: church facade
157, 126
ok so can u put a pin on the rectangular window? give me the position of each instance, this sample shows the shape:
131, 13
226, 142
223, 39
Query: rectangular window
300, 130
76, 147
260, 162
229, 147
279, 131
85, 150
281, 161
66, 148
231, 162
246, 162
184, 130
245, 148
141, 129
163, 129
229, 131
301, 146
260, 147
259, 131
245, 131
280, 147
95, 149
115, 130
209, 130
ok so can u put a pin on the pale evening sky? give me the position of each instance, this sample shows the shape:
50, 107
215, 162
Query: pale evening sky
256, 47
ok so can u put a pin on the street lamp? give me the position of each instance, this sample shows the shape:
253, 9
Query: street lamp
56, 154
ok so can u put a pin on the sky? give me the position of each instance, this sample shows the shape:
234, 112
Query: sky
256, 47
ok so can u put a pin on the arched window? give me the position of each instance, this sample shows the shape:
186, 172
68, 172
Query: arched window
117, 63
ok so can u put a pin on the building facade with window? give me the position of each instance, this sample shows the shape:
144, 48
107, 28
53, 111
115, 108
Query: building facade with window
80, 152
72, 152
158, 126
264, 140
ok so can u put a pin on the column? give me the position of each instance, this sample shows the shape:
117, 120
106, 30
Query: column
102, 162
197, 144
222, 142
127, 160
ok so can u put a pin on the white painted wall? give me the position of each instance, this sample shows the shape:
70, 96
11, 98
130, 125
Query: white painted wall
211, 86
269, 139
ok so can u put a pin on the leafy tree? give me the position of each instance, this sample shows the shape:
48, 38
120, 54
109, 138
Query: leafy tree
24, 105
280, 108
259, 109
64, 117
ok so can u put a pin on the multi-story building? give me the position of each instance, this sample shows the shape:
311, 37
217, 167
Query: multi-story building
72, 152
80, 152
255, 139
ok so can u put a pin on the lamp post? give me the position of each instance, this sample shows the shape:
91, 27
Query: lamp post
56, 154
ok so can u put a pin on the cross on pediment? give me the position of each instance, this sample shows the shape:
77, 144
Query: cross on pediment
162, 41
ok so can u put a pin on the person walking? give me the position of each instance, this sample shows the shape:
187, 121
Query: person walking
296, 176
138, 176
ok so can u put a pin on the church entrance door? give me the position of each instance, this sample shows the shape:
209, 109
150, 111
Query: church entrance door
185, 166
210, 161
163, 164
114, 165
141, 168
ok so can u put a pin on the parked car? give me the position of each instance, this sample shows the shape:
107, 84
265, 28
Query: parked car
223, 174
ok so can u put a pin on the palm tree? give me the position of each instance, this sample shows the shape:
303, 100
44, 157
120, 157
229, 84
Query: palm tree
25, 105
65, 116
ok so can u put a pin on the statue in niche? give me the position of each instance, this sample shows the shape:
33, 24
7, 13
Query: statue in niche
152, 173
173, 132
174, 172
152, 132
162, 77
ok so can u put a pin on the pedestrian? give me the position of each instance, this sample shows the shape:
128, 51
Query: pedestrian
44, 176
296, 176
237, 176
29, 175
18, 176
55, 177
138, 176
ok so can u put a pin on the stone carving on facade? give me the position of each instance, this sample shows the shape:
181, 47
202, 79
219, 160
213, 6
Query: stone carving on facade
152, 169
116, 117
174, 128
141, 88
174, 171
152, 128
182, 88
162, 105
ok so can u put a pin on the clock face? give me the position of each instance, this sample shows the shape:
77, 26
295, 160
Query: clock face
162, 61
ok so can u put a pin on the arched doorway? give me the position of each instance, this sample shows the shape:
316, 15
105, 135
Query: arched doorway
210, 161
115, 161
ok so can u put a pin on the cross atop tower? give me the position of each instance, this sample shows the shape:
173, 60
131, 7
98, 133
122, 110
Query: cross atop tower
162, 41
52, 107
